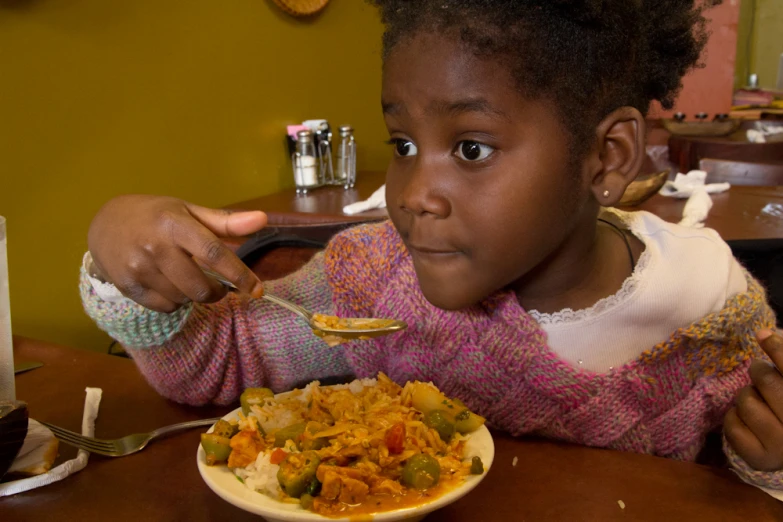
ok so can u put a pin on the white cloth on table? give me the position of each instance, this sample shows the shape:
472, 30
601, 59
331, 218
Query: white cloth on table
376, 200
693, 186
92, 402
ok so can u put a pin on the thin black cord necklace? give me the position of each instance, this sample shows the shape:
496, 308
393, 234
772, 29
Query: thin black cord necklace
625, 239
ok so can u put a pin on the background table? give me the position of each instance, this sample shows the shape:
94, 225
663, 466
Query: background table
741, 213
552, 481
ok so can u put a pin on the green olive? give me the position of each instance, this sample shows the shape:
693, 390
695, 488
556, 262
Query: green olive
421, 471
306, 501
254, 396
225, 429
292, 432
476, 466
439, 421
297, 473
216, 448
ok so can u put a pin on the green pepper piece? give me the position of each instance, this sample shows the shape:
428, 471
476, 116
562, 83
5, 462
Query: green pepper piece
306, 443
293, 432
216, 448
254, 396
439, 421
297, 472
225, 429
421, 471
314, 488
476, 466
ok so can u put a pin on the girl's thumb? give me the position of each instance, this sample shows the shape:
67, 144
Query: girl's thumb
229, 223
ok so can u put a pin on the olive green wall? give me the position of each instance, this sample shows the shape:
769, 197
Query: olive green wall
760, 42
188, 98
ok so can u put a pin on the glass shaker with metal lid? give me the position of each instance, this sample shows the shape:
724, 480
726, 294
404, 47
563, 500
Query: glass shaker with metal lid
323, 143
346, 158
304, 162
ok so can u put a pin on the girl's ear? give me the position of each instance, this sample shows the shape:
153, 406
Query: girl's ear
621, 151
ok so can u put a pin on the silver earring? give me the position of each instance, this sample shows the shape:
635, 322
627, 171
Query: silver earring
606, 193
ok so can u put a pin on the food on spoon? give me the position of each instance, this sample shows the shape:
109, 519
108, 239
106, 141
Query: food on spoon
333, 322
356, 449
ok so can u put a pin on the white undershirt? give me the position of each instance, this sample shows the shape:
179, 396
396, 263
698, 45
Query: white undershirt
683, 275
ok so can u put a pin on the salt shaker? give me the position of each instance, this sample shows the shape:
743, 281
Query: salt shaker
304, 163
346, 158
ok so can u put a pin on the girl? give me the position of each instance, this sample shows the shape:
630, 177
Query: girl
513, 124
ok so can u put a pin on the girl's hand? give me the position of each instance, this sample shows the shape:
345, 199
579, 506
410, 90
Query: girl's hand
754, 427
145, 245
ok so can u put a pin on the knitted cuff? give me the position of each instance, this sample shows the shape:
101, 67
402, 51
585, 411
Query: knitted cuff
764, 479
128, 322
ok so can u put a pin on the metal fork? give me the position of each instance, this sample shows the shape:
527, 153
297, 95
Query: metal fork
124, 446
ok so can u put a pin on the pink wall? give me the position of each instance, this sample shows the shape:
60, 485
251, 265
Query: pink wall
710, 89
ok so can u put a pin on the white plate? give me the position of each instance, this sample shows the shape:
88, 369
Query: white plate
223, 482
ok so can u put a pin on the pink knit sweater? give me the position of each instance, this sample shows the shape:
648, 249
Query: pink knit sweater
493, 355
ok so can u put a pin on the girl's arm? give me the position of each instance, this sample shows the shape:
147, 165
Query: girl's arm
205, 353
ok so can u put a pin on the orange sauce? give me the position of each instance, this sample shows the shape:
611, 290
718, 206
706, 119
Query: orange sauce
379, 503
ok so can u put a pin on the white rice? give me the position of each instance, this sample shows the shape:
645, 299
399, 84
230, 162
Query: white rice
261, 476
355, 386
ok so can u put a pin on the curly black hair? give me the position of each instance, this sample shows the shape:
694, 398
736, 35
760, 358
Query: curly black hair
589, 57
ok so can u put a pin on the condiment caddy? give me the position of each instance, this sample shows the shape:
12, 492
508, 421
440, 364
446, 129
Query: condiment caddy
310, 146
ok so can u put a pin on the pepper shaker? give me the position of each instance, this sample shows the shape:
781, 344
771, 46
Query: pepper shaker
323, 137
346, 158
304, 164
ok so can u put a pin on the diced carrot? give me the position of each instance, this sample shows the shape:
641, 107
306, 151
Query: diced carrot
278, 456
395, 438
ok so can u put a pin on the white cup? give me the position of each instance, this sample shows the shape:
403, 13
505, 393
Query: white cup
7, 388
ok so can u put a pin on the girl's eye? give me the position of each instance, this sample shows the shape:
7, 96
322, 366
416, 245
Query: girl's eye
404, 148
473, 151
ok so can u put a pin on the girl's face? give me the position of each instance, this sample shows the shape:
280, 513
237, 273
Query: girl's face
480, 186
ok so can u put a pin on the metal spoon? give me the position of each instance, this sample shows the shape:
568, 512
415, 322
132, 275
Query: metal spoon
350, 328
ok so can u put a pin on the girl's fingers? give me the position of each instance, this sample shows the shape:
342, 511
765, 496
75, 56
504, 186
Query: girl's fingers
769, 383
759, 418
772, 343
744, 442
185, 275
203, 245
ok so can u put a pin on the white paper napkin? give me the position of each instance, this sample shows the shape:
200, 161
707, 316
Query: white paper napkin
694, 187
377, 200
684, 185
696, 209
91, 403
760, 136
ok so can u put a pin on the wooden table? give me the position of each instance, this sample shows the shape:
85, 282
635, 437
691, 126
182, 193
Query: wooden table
686, 151
740, 213
322, 205
552, 481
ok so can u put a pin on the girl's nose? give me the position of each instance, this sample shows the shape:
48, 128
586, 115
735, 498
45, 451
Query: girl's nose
422, 194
